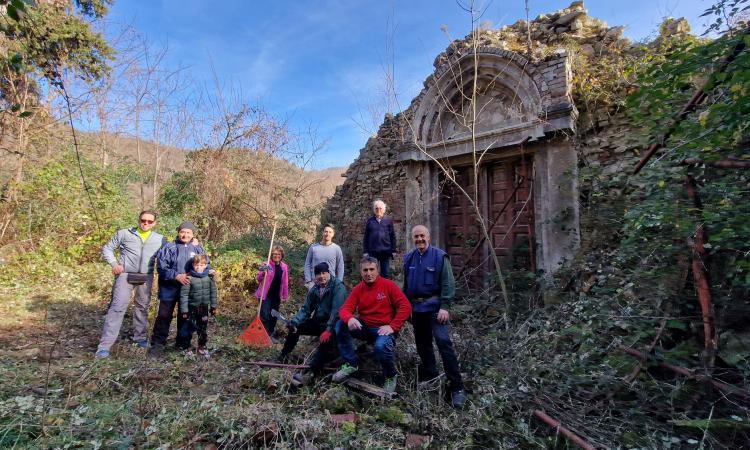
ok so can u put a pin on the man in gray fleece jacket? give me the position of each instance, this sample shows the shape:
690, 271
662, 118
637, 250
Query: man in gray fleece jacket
137, 248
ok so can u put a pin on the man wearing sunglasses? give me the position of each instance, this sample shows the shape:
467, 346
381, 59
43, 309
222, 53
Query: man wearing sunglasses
133, 270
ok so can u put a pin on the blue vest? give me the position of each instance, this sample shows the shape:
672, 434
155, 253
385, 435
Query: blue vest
423, 272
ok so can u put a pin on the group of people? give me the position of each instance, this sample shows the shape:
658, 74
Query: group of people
374, 311
185, 279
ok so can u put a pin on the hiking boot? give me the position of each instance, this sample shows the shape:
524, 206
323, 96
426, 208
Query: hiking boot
101, 354
390, 385
458, 398
302, 378
203, 351
344, 372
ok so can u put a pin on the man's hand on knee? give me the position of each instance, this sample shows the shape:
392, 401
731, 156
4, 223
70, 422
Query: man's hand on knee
354, 324
385, 330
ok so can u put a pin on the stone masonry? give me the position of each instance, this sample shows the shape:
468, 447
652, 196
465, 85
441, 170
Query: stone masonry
394, 165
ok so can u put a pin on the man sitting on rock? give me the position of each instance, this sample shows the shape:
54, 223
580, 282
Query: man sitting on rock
382, 310
317, 317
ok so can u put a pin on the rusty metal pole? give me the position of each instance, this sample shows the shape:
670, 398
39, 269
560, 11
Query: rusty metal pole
564, 431
700, 274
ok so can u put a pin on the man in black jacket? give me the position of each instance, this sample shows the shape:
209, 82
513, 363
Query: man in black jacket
380, 238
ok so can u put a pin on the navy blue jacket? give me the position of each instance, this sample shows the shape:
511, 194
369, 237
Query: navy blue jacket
380, 237
173, 259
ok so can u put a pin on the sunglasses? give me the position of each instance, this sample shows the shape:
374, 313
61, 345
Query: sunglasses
147, 221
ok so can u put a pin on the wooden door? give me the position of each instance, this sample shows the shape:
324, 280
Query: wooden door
506, 203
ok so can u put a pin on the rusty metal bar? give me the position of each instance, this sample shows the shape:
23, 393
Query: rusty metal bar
564, 431
700, 274
688, 373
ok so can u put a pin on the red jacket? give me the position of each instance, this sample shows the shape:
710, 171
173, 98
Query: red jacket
381, 303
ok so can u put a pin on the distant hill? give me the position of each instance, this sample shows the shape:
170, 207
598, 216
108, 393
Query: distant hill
120, 149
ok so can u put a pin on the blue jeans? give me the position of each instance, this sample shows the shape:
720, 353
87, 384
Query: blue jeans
385, 346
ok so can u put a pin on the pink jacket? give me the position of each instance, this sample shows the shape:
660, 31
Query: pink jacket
284, 294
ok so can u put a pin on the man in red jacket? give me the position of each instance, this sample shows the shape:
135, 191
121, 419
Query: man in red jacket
382, 309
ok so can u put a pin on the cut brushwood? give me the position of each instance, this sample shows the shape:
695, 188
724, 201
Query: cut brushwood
368, 388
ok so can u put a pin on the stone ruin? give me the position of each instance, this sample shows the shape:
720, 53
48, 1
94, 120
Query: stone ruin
533, 131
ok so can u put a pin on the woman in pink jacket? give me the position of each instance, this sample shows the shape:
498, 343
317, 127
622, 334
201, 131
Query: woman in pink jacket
276, 274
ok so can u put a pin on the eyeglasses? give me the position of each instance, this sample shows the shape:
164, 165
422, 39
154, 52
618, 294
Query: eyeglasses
147, 221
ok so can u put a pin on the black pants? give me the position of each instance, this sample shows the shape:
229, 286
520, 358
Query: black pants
427, 328
197, 322
162, 323
268, 321
384, 259
325, 351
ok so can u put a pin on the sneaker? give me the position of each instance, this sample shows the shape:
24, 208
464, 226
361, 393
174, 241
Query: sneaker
390, 385
141, 343
458, 398
343, 373
302, 378
203, 351
101, 354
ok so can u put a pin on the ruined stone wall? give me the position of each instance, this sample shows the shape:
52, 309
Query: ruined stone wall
607, 142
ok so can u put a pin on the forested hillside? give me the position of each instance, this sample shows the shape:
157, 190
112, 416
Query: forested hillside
640, 342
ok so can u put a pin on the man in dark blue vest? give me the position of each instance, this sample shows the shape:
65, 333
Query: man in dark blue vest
429, 285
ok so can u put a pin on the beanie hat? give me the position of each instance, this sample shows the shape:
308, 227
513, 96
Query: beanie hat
186, 225
321, 267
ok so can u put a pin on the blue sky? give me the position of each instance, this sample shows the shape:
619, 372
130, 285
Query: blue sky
320, 64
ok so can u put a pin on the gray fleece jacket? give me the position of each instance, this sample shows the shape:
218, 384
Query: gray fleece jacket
135, 255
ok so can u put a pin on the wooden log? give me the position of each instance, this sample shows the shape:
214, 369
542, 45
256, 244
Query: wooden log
368, 388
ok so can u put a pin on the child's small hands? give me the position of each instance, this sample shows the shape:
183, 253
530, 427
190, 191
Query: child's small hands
184, 315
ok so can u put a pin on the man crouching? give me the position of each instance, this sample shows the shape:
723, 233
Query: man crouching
382, 309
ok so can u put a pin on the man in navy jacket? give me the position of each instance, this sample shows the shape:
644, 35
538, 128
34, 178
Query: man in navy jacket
380, 238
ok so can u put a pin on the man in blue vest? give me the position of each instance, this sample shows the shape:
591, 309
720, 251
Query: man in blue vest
429, 285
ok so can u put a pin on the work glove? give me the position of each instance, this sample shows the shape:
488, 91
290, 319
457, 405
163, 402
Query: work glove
212, 310
185, 316
292, 327
325, 336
